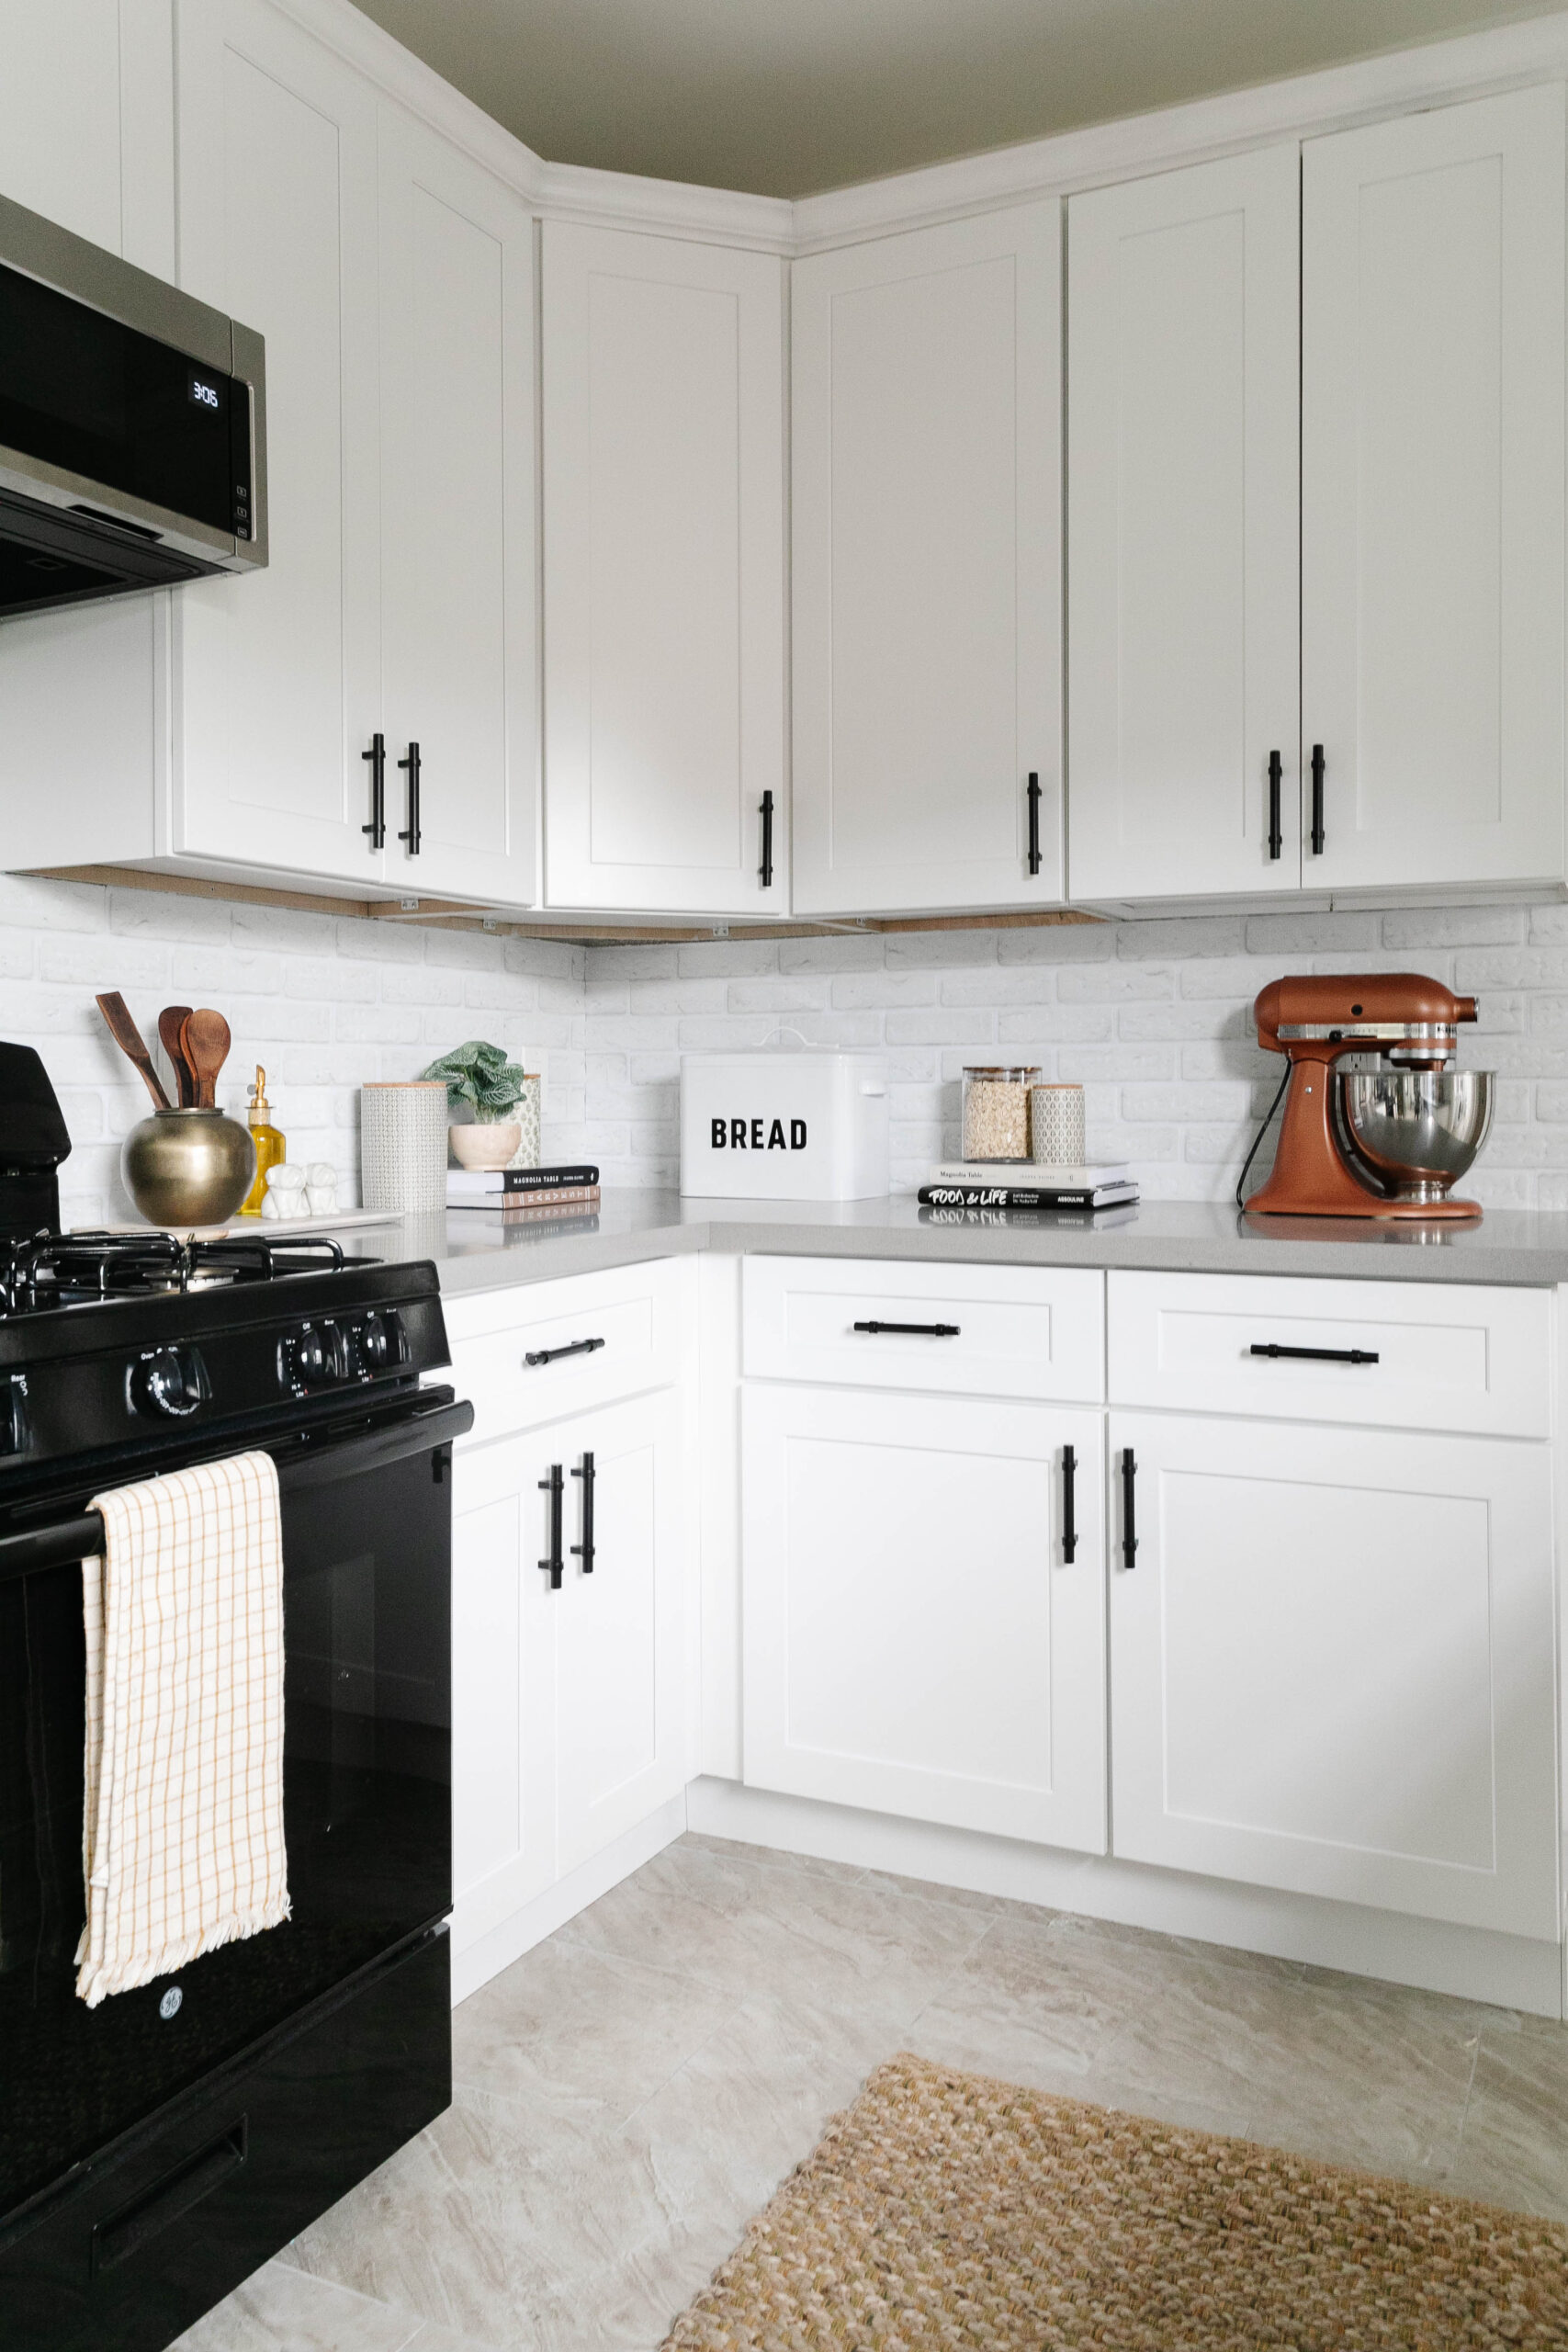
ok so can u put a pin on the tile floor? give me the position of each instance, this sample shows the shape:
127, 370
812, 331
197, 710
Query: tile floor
628, 2093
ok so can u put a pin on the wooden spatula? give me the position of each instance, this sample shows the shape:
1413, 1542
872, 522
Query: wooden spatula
171, 1021
204, 1034
127, 1037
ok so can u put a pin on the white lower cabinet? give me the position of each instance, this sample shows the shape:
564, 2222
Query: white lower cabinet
1332, 1664
916, 1640
567, 1698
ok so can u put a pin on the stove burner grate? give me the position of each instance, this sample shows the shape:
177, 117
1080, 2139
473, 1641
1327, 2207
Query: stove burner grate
46, 1271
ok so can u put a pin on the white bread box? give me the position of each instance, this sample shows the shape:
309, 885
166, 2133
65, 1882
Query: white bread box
806, 1123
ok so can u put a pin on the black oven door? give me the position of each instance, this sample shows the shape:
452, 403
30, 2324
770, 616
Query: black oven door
366, 1529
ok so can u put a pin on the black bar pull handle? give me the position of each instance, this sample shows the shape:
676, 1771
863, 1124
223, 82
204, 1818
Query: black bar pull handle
1033, 789
765, 870
554, 1485
1129, 1514
1069, 1522
1316, 1355
922, 1330
377, 828
1276, 777
1318, 764
126, 2232
584, 1551
411, 834
572, 1347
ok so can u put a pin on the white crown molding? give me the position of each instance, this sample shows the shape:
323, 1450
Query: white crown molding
1401, 82
669, 208
401, 76
1404, 80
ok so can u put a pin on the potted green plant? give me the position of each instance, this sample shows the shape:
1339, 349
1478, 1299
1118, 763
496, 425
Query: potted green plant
480, 1076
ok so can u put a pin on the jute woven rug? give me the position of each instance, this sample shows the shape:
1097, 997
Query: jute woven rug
944, 2210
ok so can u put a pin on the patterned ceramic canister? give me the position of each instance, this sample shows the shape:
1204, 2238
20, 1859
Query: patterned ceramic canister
527, 1116
402, 1144
1057, 1126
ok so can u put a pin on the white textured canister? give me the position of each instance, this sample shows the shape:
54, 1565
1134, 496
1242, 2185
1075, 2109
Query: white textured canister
1057, 1126
808, 1124
402, 1144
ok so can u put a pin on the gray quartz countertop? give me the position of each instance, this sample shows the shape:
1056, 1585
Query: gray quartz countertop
473, 1250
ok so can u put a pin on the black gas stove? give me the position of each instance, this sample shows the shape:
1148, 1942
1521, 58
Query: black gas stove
155, 2150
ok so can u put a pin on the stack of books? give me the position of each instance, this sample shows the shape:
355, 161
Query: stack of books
1028, 1184
522, 1194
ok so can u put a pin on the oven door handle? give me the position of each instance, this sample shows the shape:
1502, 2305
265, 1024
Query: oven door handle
81, 1537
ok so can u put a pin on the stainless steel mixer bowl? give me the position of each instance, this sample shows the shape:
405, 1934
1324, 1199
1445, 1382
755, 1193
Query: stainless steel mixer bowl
1418, 1130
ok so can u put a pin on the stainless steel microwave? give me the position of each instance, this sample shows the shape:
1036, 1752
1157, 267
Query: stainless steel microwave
132, 426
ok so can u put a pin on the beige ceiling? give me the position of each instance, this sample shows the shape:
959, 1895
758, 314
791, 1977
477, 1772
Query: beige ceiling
788, 96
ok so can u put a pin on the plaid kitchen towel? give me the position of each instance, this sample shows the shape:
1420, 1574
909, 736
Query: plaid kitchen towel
182, 1830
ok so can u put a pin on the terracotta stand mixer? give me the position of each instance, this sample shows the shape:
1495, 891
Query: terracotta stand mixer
1388, 1136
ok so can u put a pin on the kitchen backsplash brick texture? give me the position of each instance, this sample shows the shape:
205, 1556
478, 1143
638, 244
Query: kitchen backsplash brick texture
325, 1002
1152, 1017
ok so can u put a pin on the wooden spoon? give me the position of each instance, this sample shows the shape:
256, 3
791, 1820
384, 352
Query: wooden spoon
171, 1021
205, 1038
127, 1037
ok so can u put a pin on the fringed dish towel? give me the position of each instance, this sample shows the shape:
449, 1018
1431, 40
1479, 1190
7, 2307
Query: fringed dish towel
182, 1833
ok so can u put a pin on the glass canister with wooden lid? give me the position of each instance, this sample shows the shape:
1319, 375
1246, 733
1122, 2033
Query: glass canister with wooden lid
995, 1111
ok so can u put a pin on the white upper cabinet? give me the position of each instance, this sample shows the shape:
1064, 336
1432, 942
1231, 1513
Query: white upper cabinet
457, 509
663, 516
926, 459
86, 126
277, 674
1183, 772
1432, 491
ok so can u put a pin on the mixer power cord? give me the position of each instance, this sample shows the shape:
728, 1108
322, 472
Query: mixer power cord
1264, 1125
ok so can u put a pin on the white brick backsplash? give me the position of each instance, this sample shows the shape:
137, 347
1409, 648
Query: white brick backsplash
323, 1001
1153, 1019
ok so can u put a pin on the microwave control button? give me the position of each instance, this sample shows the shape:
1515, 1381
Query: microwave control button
171, 1381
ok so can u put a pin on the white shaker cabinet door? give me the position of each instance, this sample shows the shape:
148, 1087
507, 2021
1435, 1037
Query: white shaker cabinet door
1183, 771
277, 674
88, 138
1332, 1665
457, 506
926, 466
86, 120
622, 1744
503, 1759
1432, 495
664, 570
915, 1639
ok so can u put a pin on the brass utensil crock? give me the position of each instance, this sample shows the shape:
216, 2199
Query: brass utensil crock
188, 1168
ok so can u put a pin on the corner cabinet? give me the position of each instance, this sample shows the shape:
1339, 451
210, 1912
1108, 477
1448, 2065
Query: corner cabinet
1428, 749
926, 467
664, 575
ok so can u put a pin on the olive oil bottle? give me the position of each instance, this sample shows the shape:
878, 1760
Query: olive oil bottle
269, 1143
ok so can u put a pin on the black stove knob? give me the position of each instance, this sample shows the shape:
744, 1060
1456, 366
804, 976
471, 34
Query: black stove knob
381, 1340
317, 1356
171, 1381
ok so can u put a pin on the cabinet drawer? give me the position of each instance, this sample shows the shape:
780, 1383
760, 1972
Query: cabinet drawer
978, 1330
632, 1313
1400, 1355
